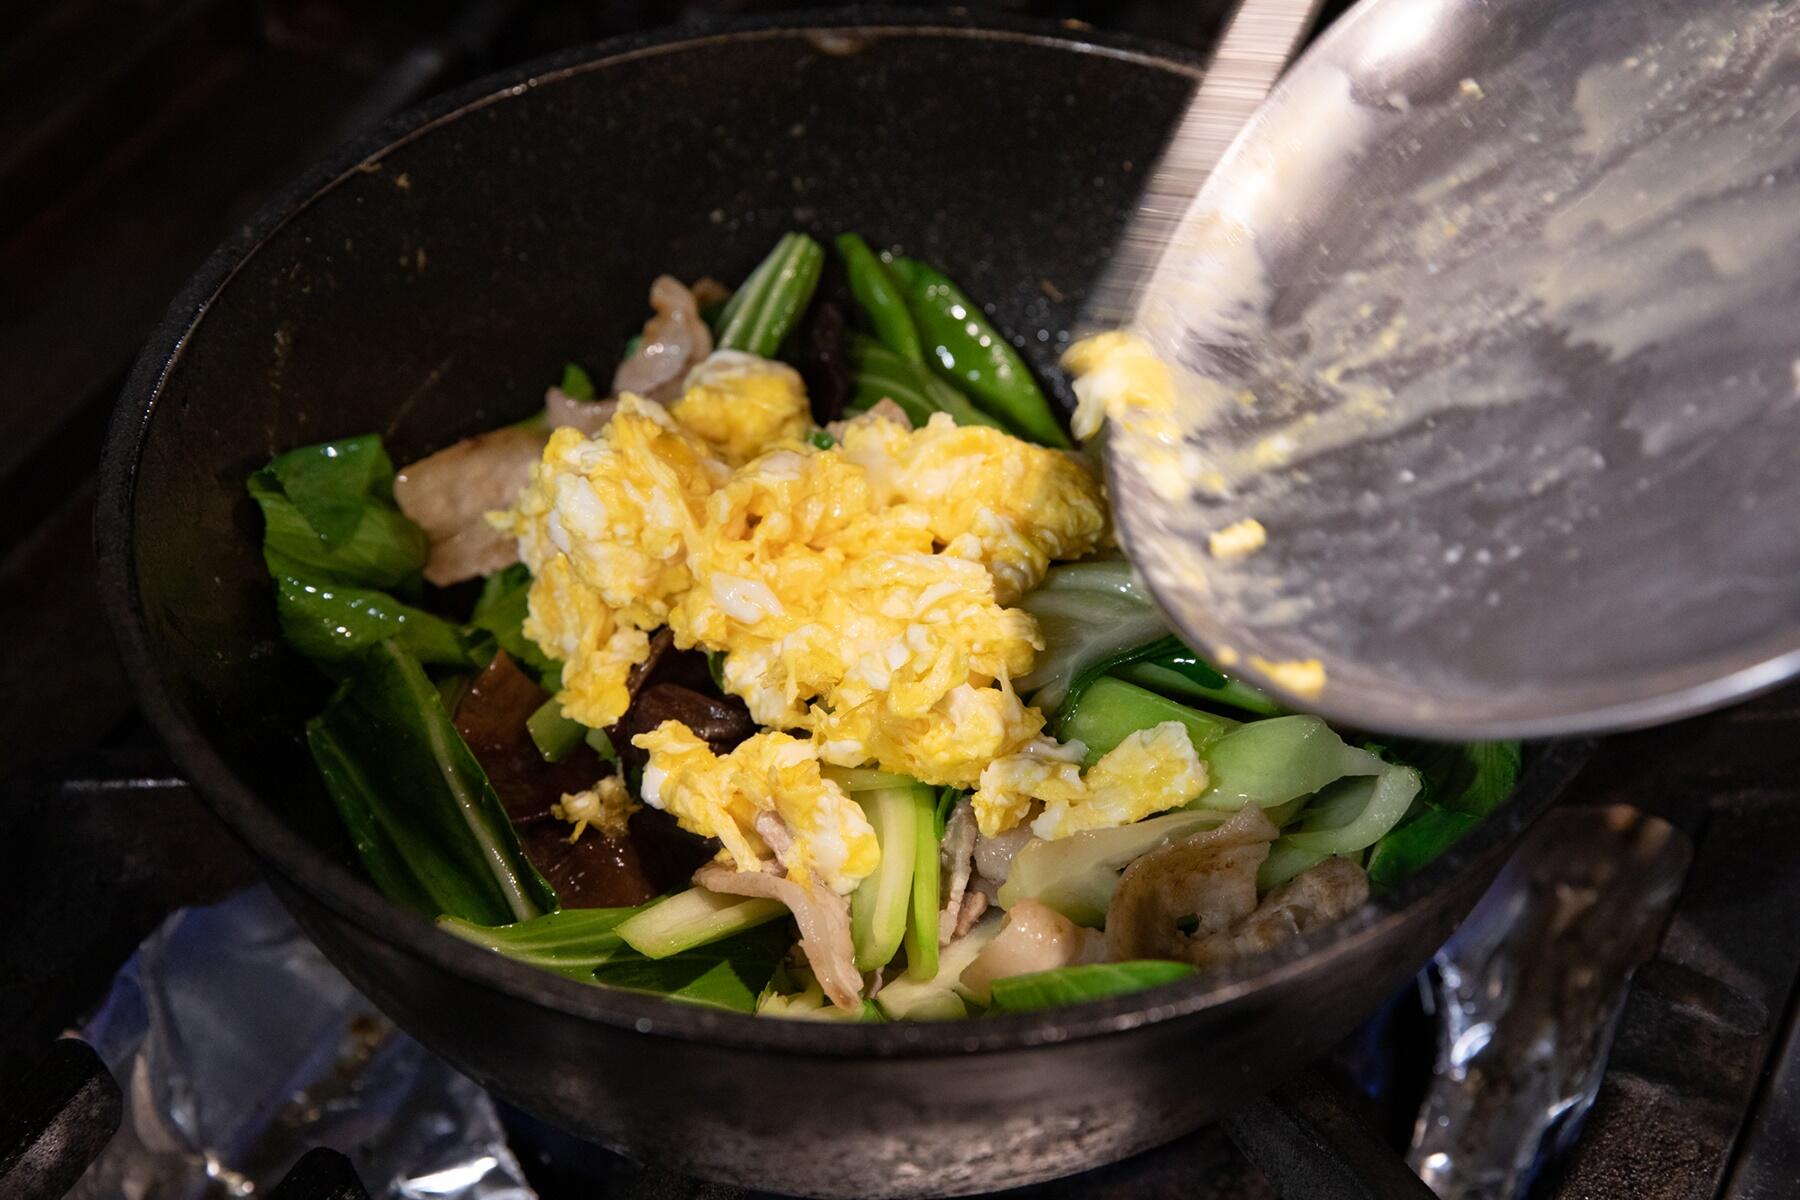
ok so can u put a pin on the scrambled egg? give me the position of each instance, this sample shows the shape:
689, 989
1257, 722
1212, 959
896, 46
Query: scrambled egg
606, 806
859, 595
1151, 771
858, 592
740, 405
826, 835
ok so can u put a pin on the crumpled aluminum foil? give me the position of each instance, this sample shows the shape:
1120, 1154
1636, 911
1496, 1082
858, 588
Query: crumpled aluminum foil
238, 1048
1529, 990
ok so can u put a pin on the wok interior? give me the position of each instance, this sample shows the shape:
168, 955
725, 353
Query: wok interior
437, 290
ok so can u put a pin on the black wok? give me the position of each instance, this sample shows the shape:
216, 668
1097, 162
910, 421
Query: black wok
428, 284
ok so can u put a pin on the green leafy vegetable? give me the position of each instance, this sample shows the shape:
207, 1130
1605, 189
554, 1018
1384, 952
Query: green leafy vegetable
571, 942
1097, 620
577, 384
810, 1004
359, 537
966, 350
759, 315
880, 298
727, 974
389, 754
331, 482
1087, 614
1272, 762
1284, 862
1416, 844
1090, 981
354, 798
1463, 783
501, 610
1112, 710
333, 622
1357, 813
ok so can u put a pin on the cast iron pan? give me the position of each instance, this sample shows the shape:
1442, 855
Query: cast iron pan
427, 284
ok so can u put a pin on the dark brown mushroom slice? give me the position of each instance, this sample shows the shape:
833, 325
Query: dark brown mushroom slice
721, 721
491, 718
598, 869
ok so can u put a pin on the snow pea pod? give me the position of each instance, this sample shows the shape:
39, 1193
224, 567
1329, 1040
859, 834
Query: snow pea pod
962, 346
760, 314
875, 290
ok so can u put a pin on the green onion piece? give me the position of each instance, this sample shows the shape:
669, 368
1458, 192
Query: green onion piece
921, 940
694, 918
820, 440
555, 735
946, 804
879, 905
865, 779
759, 315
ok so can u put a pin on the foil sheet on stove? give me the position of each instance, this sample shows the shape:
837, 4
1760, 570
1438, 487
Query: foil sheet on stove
238, 1048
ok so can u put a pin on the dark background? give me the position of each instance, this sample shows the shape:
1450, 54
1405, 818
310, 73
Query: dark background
133, 134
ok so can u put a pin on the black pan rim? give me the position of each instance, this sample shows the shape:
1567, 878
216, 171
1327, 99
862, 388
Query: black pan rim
351, 898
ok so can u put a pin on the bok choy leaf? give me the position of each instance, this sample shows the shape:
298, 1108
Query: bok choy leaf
501, 610
728, 974
1089, 981
329, 515
333, 622
571, 942
387, 749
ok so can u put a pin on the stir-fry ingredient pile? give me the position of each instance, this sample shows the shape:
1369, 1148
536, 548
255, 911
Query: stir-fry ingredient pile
841, 639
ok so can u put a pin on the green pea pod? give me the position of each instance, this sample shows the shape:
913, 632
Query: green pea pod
877, 373
760, 314
964, 348
876, 291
